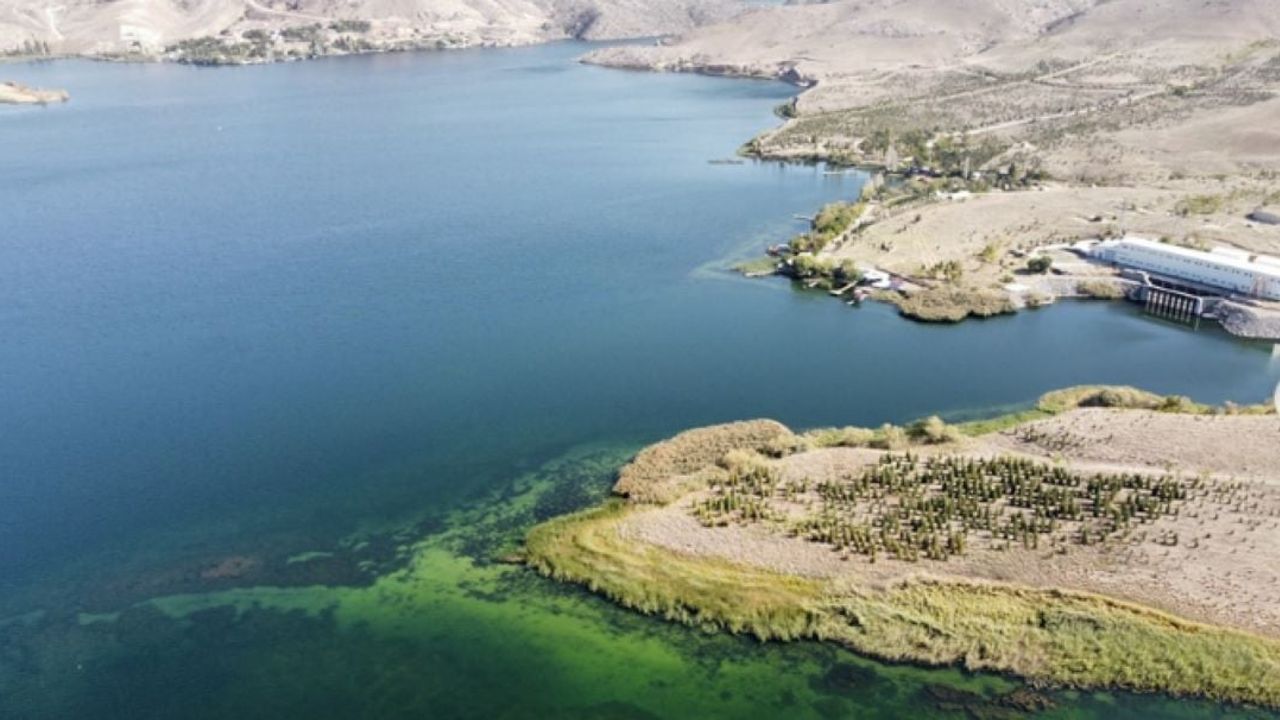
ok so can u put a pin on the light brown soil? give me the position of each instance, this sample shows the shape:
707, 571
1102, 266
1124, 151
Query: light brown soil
1222, 569
1014, 224
1245, 447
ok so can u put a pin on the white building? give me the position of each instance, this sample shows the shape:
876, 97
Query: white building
1236, 271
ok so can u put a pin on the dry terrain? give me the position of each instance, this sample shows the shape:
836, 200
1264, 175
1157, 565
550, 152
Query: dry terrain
1057, 120
991, 235
238, 31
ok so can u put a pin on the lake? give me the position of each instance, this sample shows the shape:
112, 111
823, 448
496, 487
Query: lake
291, 352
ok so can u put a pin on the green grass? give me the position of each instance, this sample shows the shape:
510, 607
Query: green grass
1101, 289
757, 266
1052, 636
1000, 423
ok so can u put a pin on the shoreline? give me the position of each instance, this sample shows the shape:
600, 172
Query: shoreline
968, 161
652, 549
1236, 319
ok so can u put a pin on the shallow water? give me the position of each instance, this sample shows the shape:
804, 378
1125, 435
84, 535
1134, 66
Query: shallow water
326, 307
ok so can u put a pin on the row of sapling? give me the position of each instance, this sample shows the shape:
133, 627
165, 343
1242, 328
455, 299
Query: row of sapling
908, 507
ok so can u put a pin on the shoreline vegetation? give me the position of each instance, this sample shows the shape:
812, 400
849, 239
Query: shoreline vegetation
994, 545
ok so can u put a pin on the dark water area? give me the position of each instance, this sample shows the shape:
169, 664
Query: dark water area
286, 348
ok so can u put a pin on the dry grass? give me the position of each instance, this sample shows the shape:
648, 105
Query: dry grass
1052, 636
952, 303
585, 548
659, 473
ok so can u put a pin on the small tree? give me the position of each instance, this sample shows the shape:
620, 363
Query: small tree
847, 272
1040, 264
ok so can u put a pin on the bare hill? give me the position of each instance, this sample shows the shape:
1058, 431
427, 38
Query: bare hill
1101, 90
264, 30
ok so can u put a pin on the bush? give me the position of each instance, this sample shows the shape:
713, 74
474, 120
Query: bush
808, 266
1199, 205
1040, 264
1101, 289
301, 33
1178, 404
890, 437
933, 431
350, 26
846, 271
841, 437
831, 222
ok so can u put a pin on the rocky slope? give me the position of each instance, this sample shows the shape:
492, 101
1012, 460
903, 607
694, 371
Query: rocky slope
1101, 89
264, 30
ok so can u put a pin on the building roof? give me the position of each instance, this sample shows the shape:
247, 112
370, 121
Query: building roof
1221, 256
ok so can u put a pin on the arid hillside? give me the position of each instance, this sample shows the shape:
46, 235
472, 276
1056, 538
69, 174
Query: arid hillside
263, 30
1099, 92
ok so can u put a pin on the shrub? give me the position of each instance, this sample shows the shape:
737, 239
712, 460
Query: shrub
846, 271
890, 437
933, 431
808, 266
1199, 205
841, 437
350, 26
1101, 289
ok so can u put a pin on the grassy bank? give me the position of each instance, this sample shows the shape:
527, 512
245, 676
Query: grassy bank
1050, 636
950, 303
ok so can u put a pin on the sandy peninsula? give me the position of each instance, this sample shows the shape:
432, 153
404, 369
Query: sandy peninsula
1106, 538
17, 94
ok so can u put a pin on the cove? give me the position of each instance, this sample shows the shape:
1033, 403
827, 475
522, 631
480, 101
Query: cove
260, 311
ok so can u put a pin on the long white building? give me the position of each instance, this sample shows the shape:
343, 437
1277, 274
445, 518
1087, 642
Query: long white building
1223, 268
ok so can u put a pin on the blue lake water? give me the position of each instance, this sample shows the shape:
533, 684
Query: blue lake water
248, 312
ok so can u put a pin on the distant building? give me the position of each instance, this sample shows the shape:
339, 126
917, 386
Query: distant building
1222, 268
1267, 215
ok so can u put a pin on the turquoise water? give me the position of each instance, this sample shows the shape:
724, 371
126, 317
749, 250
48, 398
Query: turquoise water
335, 330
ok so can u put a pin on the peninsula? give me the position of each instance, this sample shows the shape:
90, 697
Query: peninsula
1106, 538
17, 94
